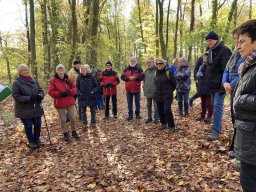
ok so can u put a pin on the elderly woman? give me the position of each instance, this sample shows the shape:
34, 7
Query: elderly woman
165, 85
28, 96
87, 91
182, 77
62, 89
245, 107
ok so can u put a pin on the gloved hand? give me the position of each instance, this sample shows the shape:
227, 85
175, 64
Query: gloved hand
111, 85
64, 93
104, 85
34, 98
40, 97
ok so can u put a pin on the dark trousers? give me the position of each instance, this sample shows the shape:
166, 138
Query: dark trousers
32, 136
114, 105
130, 103
183, 98
206, 104
165, 113
93, 115
195, 96
248, 177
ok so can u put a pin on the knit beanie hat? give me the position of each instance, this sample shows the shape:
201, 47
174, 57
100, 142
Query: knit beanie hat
212, 35
60, 66
77, 62
109, 63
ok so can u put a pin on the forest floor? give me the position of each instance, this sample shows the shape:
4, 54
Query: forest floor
117, 155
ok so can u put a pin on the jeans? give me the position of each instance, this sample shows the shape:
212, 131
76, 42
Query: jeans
183, 98
28, 124
100, 102
114, 105
217, 103
149, 108
248, 177
165, 113
206, 104
130, 103
79, 110
93, 115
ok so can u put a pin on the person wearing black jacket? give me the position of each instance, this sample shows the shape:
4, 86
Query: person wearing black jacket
28, 96
165, 84
244, 105
218, 56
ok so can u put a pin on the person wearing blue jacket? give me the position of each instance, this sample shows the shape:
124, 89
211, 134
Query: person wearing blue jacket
229, 80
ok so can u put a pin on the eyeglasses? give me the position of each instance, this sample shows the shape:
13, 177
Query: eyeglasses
159, 63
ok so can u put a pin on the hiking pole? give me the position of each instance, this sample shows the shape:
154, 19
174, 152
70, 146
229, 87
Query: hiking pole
47, 128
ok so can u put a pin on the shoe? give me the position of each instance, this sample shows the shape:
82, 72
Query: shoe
163, 126
172, 129
232, 154
208, 120
84, 126
214, 136
38, 143
75, 135
191, 102
237, 165
186, 115
66, 137
32, 145
199, 118
155, 121
138, 117
115, 116
129, 118
93, 125
148, 121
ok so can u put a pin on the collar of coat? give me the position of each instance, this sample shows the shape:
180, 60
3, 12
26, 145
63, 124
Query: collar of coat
108, 73
57, 77
26, 82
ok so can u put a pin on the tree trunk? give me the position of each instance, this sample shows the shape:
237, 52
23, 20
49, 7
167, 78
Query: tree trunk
250, 10
161, 33
46, 46
192, 25
157, 30
167, 30
214, 13
27, 31
141, 31
6, 58
86, 5
33, 38
176, 29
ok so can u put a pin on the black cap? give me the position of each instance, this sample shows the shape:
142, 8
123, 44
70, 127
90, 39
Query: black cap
212, 35
109, 63
77, 62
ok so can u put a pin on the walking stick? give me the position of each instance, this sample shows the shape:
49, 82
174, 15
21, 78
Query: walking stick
47, 128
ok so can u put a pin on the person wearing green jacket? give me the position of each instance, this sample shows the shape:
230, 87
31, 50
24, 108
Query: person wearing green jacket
149, 90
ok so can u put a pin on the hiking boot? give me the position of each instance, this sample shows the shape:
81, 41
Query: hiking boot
155, 121
199, 118
232, 154
214, 136
237, 165
32, 145
75, 135
148, 121
163, 126
66, 137
93, 125
129, 118
208, 120
186, 115
172, 129
38, 143
138, 117
115, 116
84, 126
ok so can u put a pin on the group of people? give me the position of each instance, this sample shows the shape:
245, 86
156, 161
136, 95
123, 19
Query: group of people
217, 72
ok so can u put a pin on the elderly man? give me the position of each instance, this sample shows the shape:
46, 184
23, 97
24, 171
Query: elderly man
149, 90
218, 56
133, 75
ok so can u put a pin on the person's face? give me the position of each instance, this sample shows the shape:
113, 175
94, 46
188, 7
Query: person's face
133, 61
108, 67
77, 66
211, 42
24, 72
181, 63
84, 71
160, 65
245, 45
60, 72
150, 64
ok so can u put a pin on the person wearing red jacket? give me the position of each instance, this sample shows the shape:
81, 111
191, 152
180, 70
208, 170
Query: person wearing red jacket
108, 81
133, 75
62, 89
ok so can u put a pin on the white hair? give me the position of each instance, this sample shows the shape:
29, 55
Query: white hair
22, 67
60, 66
183, 59
85, 66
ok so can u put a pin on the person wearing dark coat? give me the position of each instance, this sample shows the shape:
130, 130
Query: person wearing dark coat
108, 81
88, 92
202, 89
218, 56
245, 106
165, 84
28, 96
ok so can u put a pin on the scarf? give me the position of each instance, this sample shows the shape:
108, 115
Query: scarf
233, 59
250, 59
26, 78
210, 61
